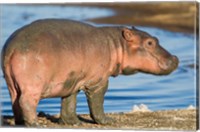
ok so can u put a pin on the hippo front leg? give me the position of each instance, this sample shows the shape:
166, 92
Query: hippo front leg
95, 101
68, 110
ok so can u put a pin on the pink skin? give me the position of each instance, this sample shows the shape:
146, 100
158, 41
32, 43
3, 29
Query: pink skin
147, 56
46, 69
44, 80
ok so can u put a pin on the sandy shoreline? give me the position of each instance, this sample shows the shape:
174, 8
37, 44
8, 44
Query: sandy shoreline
158, 120
173, 16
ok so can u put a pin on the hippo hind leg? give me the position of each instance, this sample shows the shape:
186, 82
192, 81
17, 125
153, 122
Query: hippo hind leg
68, 110
15, 94
28, 106
25, 106
95, 101
17, 112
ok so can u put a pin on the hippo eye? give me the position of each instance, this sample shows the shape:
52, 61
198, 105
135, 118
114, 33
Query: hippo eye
149, 43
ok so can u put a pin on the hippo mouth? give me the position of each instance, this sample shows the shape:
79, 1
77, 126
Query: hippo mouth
169, 66
163, 66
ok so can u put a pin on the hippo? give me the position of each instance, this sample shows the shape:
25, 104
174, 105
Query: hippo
59, 57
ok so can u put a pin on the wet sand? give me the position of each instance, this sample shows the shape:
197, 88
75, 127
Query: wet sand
159, 120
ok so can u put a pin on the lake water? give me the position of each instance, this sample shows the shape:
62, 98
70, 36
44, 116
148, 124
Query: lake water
175, 91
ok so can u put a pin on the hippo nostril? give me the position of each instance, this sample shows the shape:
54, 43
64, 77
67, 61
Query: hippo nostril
175, 60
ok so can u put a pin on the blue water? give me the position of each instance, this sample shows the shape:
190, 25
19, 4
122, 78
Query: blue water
175, 91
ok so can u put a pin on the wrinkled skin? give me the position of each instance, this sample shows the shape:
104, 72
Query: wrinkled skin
58, 58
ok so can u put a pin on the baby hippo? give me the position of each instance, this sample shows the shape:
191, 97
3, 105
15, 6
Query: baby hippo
58, 58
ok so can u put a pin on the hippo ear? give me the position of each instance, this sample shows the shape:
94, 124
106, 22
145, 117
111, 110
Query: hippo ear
127, 34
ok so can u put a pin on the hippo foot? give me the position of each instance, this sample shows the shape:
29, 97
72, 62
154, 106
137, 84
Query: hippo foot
33, 125
105, 121
71, 121
19, 122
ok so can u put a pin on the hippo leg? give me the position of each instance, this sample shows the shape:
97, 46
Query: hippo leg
68, 110
14, 98
95, 101
17, 112
28, 105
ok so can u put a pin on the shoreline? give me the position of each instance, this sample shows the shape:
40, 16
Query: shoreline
183, 119
172, 16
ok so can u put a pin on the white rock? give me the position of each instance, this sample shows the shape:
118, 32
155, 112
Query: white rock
191, 107
136, 108
141, 108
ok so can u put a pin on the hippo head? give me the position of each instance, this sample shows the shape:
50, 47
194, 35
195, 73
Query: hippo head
143, 53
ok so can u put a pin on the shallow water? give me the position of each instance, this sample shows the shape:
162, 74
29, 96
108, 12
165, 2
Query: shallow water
175, 91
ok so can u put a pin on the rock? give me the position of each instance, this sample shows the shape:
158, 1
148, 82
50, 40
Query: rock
191, 107
41, 114
141, 108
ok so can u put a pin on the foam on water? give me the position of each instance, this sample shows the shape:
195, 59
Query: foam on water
174, 91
